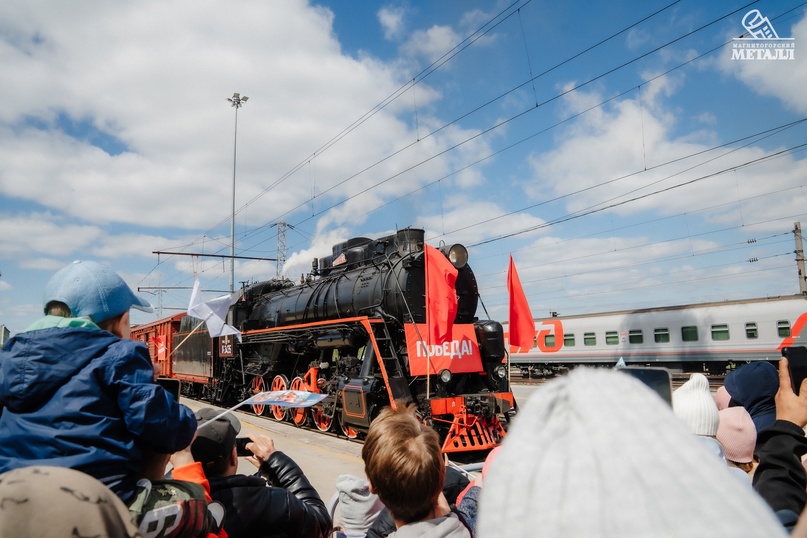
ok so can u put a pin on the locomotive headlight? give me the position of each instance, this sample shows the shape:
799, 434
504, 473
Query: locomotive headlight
457, 255
501, 371
445, 376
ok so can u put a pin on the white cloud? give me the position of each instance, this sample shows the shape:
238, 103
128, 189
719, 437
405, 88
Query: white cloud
38, 238
432, 43
119, 77
622, 151
155, 76
299, 263
453, 226
783, 79
392, 22
43, 234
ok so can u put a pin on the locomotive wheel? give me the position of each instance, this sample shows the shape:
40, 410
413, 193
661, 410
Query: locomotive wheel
280, 382
257, 385
321, 421
349, 432
299, 414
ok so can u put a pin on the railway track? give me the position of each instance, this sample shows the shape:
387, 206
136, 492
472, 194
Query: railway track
678, 379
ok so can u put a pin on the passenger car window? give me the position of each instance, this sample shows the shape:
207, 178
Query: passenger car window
720, 332
661, 335
689, 333
568, 340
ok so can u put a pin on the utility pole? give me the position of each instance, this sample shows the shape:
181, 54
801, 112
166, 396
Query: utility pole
800, 258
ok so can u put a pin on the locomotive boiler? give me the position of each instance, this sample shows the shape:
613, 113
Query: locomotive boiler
354, 330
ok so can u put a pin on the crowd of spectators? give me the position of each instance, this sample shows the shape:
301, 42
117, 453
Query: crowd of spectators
88, 435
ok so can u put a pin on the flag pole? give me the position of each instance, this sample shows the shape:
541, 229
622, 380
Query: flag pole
428, 355
230, 410
186, 338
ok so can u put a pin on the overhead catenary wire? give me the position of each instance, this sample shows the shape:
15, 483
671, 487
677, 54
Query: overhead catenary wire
500, 17
248, 234
593, 209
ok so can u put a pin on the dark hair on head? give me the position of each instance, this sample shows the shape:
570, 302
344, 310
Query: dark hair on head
217, 468
404, 463
58, 308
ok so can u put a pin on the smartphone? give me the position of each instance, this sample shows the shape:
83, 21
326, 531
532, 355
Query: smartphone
241, 446
797, 364
171, 385
658, 379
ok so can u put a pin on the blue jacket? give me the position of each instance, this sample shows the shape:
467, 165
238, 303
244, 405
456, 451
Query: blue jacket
80, 397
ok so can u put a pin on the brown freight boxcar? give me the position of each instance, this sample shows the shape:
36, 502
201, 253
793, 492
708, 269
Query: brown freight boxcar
159, 337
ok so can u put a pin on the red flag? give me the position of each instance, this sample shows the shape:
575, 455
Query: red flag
522, 324
441, 296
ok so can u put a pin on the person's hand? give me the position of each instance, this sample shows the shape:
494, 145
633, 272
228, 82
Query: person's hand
789, 406
261, 447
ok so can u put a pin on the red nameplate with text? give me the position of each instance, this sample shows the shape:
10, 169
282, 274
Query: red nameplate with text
459, 355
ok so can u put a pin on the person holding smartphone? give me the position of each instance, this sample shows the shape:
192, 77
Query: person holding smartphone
780, 477
277, 500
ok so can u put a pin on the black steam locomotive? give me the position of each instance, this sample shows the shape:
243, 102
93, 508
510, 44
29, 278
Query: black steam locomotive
354, 330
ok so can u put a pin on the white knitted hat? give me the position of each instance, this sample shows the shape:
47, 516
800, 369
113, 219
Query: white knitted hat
596, 453
694, 404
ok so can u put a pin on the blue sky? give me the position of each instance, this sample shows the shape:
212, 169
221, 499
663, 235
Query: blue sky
613, 148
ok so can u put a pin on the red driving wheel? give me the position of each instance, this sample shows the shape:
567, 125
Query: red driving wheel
298, 414
280, 382
258, 385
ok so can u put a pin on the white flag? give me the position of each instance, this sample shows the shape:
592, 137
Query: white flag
213, 312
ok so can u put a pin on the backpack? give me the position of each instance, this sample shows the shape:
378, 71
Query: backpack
174, 509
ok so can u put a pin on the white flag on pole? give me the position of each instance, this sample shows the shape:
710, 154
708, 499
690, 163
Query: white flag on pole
213, 312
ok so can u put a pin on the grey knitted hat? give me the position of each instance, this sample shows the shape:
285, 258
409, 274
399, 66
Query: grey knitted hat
595, 453
358, 507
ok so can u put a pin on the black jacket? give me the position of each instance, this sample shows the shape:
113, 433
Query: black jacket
780, 477
290, 506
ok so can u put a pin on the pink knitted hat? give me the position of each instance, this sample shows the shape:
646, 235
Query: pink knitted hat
489, 459
737, 433
722, 397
